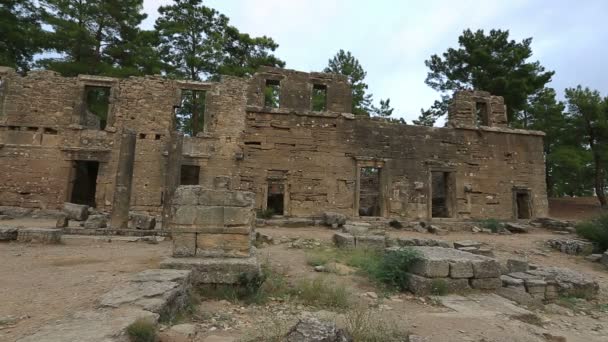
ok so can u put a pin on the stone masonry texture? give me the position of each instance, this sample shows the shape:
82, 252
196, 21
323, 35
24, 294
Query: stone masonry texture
314, 156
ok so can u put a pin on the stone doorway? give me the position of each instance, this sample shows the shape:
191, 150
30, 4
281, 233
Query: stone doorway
369, 191
275, 199
441, 194
84, 182
522, 204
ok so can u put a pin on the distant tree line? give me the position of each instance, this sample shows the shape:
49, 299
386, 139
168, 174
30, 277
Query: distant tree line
103, 37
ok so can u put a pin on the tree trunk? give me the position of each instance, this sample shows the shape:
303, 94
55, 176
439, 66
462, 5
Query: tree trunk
599, 181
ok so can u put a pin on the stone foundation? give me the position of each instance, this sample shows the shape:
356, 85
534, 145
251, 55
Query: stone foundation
212, 234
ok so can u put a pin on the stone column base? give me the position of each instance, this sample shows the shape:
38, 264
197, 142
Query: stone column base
215, 270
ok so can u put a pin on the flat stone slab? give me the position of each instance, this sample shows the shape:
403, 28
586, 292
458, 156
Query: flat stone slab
408, 242
161, 291
439, 262
466, 243
423, 286
214, 270
39, 235
91, 326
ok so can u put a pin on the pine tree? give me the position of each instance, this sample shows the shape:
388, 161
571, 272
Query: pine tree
21, 35
346, 64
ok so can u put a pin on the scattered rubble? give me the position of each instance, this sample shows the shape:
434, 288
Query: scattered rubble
76, 212
572, 246
311, 329
554, 224
334, 220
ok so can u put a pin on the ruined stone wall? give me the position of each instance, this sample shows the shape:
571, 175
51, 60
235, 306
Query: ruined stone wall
319, 157
314, 154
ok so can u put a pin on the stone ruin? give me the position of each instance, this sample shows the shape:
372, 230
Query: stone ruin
299, 150
212, 232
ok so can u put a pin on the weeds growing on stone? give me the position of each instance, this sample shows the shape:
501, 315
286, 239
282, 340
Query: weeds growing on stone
439, 287
264, 213
142, 330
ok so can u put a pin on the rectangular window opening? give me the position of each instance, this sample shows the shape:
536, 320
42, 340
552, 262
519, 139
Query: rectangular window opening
97, 106
319, 98
84, 182
190, 115
369, 191
522, 204
481, 113
190, 175
276, 198
272, 93
441, 205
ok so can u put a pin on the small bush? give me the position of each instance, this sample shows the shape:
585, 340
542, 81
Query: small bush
439, 287
395, 224
393, 266
142, 330
595, 230
492, 224
365, 326
264, 213
318, 292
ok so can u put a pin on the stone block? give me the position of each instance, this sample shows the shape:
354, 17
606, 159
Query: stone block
511, 282
184, 244
344, 240
486, 283
594, 257
214, 270
516, 227
331, 219
551, 292
604, 259
517, 265
519, 296
223, 198
8, 233
236, 216
466, 243
461, 269
536, 288
431, 268
486, 268
370, 241
142, 221
209, 216
62, 221
76, 212
356, 229
39, 235
96, 222
423, 286
223, 245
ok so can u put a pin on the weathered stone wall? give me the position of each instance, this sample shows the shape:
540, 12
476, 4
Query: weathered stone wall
315, 155
319, 156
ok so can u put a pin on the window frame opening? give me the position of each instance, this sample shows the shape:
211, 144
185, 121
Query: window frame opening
189, 174
189, 116
318, 98
96, 106
272, 93
482, 117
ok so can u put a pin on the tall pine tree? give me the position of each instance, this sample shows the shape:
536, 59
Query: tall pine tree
21, 35
344, 63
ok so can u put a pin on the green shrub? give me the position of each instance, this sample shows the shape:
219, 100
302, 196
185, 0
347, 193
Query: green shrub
395, 224
318, 292
264, 213
142, 330
439, 287
595, 230
392, 267
492, 224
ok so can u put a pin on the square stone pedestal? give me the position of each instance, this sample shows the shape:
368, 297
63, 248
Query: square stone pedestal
224, 271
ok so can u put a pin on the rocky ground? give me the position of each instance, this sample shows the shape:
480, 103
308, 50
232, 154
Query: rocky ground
41, 284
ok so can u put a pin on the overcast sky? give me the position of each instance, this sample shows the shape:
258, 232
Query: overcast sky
392, 39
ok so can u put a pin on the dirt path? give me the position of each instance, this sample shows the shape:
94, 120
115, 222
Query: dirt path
42, 283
